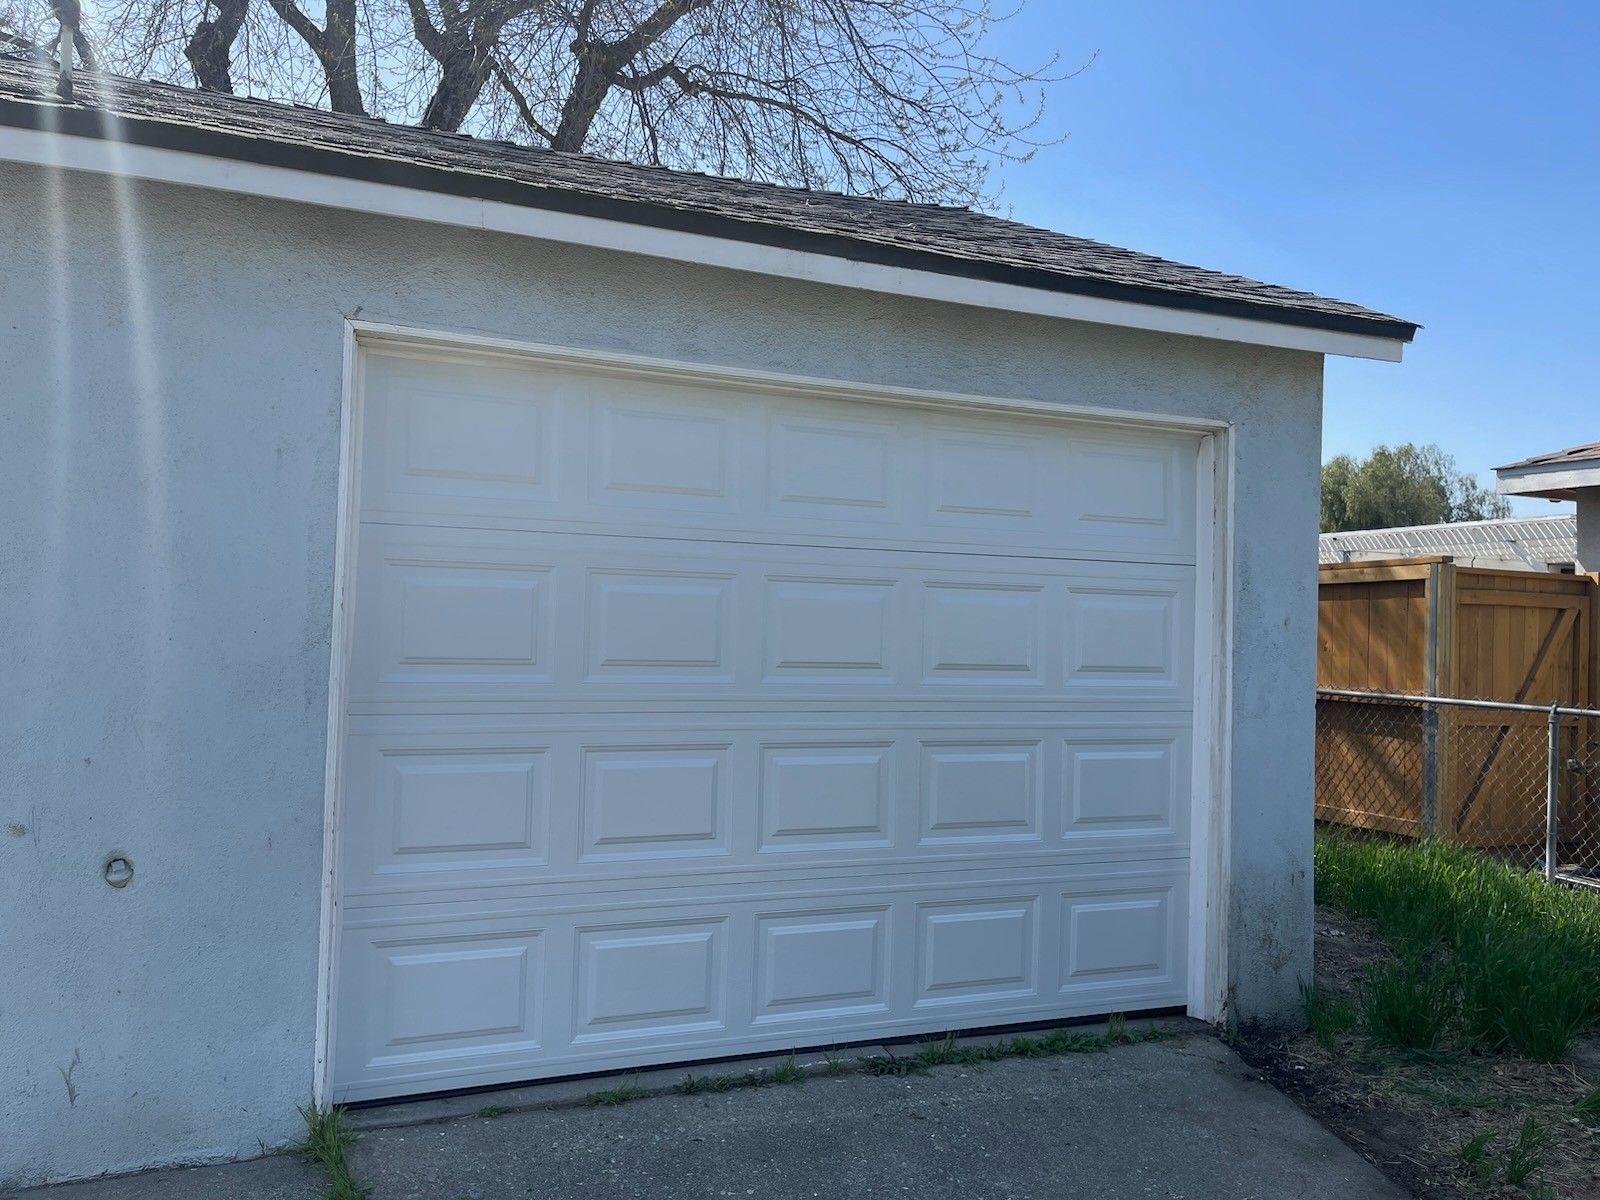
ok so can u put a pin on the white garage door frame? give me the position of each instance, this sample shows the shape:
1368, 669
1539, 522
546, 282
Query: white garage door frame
1213, 607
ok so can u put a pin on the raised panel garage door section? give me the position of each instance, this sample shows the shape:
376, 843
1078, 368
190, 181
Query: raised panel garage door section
690, 720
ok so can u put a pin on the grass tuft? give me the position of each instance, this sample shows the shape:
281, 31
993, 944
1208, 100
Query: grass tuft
1526, 1155
325, 1143
950, 1050
625, 1092
1409, 1004
1328, 1016
888, 1063
490, 1111
1588, 1107
788, 1071
1474, 1155
1518, 955
695, 1085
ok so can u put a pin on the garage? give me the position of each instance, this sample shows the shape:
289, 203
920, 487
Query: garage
691, 717
493, 615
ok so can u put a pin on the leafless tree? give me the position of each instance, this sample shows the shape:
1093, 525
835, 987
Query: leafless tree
899, 98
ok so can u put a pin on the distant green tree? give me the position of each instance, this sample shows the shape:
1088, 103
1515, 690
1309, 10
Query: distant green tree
1402, 485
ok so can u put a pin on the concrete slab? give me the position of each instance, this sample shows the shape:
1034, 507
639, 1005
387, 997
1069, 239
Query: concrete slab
1183, 1119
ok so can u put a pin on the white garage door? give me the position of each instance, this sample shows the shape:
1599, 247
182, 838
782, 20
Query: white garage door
685, 721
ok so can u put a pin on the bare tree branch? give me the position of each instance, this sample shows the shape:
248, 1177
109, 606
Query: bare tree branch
884, 97
210, 47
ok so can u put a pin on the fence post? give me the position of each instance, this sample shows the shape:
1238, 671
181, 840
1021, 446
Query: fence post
1430, 769
1552, 793
1430, 711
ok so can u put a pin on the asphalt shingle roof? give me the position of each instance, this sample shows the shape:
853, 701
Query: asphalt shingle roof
949, 240
1583, 453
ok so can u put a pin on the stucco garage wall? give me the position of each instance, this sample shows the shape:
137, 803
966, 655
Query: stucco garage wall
168, 465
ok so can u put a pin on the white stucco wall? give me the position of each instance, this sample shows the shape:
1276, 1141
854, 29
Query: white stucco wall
168, 463
1588, 550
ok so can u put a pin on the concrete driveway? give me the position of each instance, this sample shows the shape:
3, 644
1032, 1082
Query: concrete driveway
1181, 1118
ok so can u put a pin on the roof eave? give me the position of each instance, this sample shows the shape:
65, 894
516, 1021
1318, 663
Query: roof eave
1367, 337
1552, 481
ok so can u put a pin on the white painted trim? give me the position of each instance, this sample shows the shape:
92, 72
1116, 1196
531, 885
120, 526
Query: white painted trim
437, 345
1210, 871
1210, 800
68, 152
1548, 477
341, 638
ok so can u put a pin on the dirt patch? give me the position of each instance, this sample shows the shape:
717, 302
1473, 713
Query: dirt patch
1411, 1115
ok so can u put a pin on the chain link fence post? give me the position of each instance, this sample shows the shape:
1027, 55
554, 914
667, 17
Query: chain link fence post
1552, 796
1430, 770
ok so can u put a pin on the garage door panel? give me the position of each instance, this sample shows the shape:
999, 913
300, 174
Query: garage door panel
1116, 939
589, 453
826, 795
733, 973
473, 617
425, 997
654, 802
440, 803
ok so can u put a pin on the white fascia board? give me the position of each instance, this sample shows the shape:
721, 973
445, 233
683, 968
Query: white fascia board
1548, 477
69, 152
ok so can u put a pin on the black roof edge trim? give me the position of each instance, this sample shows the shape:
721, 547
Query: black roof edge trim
211, 143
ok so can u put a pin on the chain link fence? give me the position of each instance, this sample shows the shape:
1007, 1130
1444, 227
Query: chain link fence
1518, 781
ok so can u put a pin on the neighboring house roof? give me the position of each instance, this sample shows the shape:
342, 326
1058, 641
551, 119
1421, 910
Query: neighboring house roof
1532, 542
1569, 455
1558, 475
953, 241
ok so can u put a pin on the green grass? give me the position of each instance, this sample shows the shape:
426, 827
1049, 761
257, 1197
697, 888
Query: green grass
1506, 960
1410, 1004
694, 1085
1474, 1155
1328, 1016
788, 1071
1517, 1162
1526, 1155
1588, 1107
489, 1111
625, 1092
889, 1063
950, 1050
325, 1143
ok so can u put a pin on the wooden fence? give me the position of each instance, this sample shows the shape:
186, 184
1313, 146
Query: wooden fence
1427, 626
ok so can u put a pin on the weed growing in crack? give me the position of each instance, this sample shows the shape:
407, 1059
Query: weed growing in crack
888, 1063
624, 1093
788, 1071
325, 1143
951, 1051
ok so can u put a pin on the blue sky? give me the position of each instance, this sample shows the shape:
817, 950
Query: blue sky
1437, 161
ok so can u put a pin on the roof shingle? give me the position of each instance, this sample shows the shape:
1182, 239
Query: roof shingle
1572, 454
948, 240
